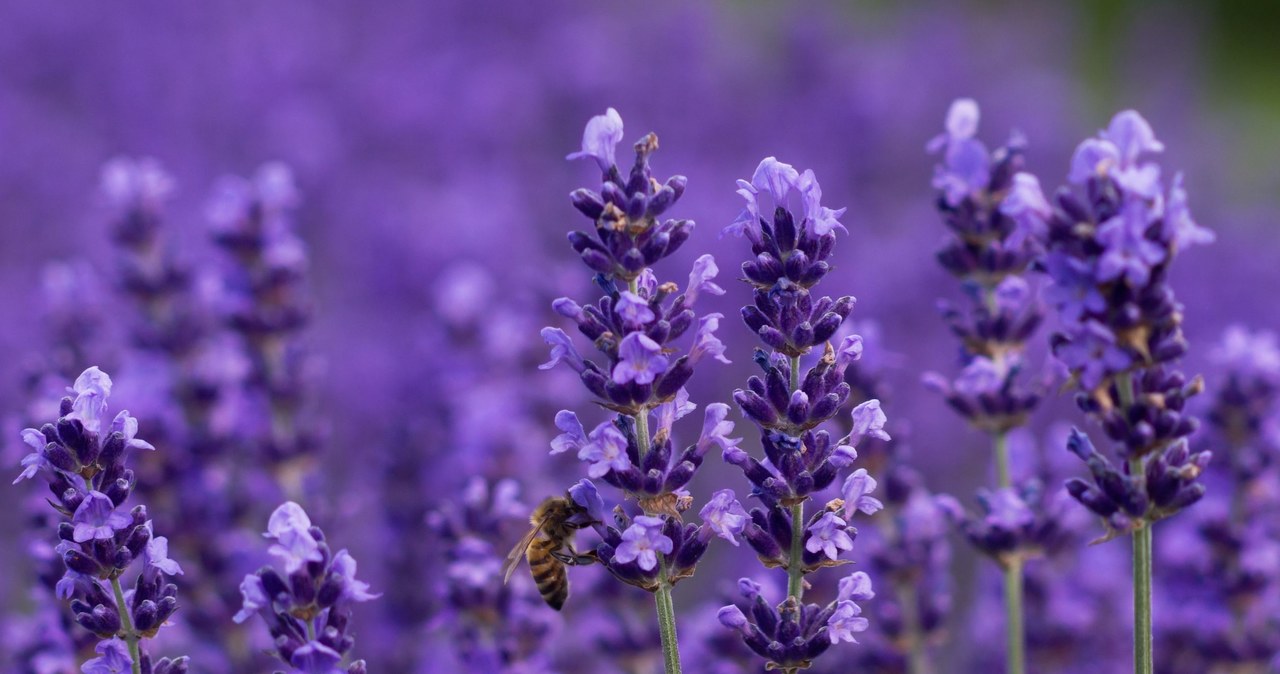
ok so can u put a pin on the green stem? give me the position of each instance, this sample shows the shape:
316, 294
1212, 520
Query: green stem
126, 626
641, 418
795, 563
1001, 443
1016, 648
1143, 657
667, 625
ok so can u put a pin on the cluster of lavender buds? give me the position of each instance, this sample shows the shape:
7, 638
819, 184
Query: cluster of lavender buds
990, 254
800, 460
1108, 258
83, 456
1224, 572
635, 325
307, 608
264, 300
790, 635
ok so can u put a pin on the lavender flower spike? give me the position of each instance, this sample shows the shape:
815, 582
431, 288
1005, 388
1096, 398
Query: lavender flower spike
308, 608
1117, 242
84, 461
788, 404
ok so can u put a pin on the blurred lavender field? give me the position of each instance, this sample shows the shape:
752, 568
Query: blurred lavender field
408, 415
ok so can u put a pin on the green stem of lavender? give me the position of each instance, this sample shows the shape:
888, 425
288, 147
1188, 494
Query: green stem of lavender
1015, 647
1142, 648
126, 623
795, 562
1143, 659
667, 625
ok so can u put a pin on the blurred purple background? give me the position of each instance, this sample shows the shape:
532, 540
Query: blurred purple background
427, 140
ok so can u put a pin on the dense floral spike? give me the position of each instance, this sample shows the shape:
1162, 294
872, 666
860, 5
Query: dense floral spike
1222, 574
989, 251
307, 607
791, 256
264, 298
1108, 257
790, 635
635, 326
83, 456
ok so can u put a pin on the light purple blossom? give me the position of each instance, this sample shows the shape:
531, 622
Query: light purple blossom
732, 617
606, 449
1179, 226
855, 587
748, 221
253, 598
776, 177
291, 529
634, 310
92, 389
823, 220
128, 182
966, 164
640, 360
868, 421
828, 536
600, 139
705, 342
344, 565
113, 658
158, 556
1013, 295
980, 376
701, 279
572, 435
845, 622
1092, 158
1131, 135
642, 541
716, 428
97, 519
585, 494
1073, 290
666, 414
127, 425
1025, 203
1093, 352
567, 308
34, 462
1128, 253
316, 658
849, 351
724, 515
562, 350
856, 493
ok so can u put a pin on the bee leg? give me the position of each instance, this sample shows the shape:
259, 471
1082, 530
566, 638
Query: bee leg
575, 558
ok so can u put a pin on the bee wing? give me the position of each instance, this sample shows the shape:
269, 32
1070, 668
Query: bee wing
517, 553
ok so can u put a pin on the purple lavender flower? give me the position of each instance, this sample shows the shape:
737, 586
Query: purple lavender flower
642, 541
788, 405
1120, 350
308, 608
84, 461
790, 635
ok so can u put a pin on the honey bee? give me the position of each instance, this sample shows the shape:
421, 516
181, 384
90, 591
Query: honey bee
556, 518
